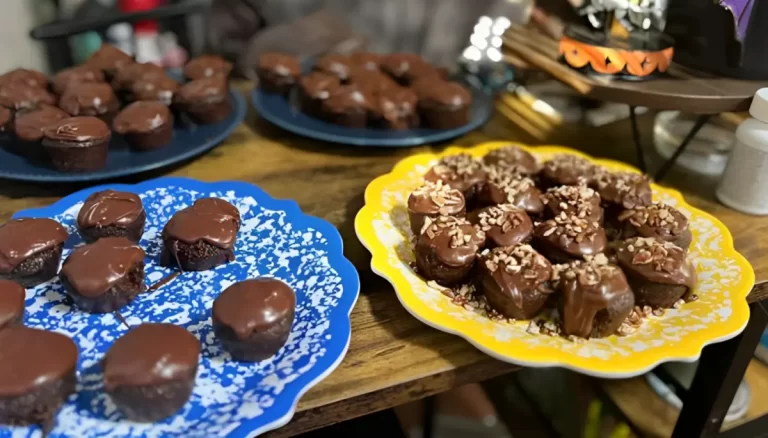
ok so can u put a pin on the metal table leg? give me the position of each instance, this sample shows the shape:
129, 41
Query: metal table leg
636, 138
700, 121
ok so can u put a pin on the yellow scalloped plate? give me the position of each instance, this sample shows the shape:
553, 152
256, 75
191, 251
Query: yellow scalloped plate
721, 312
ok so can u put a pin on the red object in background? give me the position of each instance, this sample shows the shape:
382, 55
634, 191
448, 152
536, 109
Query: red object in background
147, 26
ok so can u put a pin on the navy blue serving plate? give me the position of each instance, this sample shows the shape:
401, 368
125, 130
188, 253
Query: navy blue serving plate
189, 140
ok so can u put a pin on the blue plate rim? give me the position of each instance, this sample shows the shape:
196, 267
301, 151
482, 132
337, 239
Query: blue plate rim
350, 278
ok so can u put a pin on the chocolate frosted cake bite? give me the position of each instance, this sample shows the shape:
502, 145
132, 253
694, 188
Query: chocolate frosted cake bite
109, 59
78, 74
512, 159
432, 200
205, 66
395, 108
29, 126
77, 144
658, 272
406, 68
104, 276
517, 190
149, 372
277, 72
515, 280
202, 236
503, 224
253, 318
373, 81
335, 64
146, 125
155, 88
110, 213
578, 200
657, 220
25, 77
315, 88
462, 172
12, 296
566, 169
447, 248
595, 297
37, 375
30, 250
205, 100
624, 189
366, 60
6, 120
126, 75
443, 104
567, 237
90, 99
21, 97
347, 106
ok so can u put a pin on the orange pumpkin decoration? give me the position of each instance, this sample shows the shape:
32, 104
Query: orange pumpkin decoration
605, 60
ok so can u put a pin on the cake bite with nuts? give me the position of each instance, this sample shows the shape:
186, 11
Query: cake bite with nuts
567, 237
565, 169
512, 159
433, 200
504, 225
625, 189
462, 172
578, 200
447, 248
657, 220
517, 190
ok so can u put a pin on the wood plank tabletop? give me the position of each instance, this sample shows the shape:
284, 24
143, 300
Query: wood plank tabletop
392, 358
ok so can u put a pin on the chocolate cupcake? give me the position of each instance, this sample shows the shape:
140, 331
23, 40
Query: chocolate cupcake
373, 82
432, 200
104, 276
77, 144
512, 159
30, 250
20, 97
202, 236
12, 296
205, 66
146, 125
335, 64
125, 76
566, 169
515, 280
37, 375
205, 100
447, 248
252, 319
155, 88
110, 213
29, 126
595, 297
395, 108
567, 237
277, 72
442, 104
517, 190
347, 106
109, 59
315, 88
149, 373
658, 272
579, 201
6, 120
25, 77
624, 189
366, 60
504, 225
406, 68
90, 99
657, 220
77, 74
462, 172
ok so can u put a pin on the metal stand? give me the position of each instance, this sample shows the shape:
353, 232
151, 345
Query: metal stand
636, 138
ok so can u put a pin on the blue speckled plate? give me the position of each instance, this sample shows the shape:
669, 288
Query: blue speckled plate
189, 140
230, 398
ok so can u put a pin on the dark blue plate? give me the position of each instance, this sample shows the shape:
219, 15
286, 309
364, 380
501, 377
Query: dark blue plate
188, 141
280, 111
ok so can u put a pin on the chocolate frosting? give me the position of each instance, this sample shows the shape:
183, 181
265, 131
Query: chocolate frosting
504, 224
31, 358
512, 159
77, 74
656, 220
207, 90
94, 268
568, 169
577, 237
211, 220
6, 117
624, 188
159, 88
130, 73
444, 94
319, 85
109, 58
89, 99
395, 103
12, 296
142, 117
406, 66
151, 354
254, 305
15, 96
517, 190
84, 129
207, 65
335, 64
366, 60
23, 238
578, 200
346, 99
517, 271
279, 64
25, 77
109, 207
462, 172
454, 241
436, 198
29, 125
657, 261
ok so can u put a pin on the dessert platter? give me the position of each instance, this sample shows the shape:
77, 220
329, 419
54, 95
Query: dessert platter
547, 257
367, 99
112, 117
169, 308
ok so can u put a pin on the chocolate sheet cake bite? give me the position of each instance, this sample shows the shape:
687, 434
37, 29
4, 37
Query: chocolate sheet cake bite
77, 74
512, 159
657, 220
517, 190
447, 248
146, 125
110, 213
205, 100
432, 200
658, 272
348, 106
578, 200
595, 297
515, 280
443, 104
12, 296
29, 126
77, 144
202, 236
149, 373
25, 77
566, 169
253, 318
462, 172
6, 120
367, 60
406, 68
20, 97
395, 108
206, 66
90, 99
314, 88
277, 72
125, 76
155, 88
37, 375
109, 59
567, 237
335, 64
30, 250
504, 225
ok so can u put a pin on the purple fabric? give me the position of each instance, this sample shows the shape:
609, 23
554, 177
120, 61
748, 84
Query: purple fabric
741, 10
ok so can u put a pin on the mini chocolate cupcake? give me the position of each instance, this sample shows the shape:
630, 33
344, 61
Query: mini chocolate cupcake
443, 104
12, 296
658, 272
512, 159
567, 237
90, 99
29, 126
146, 125
432, 200
149, 373
395, 108
579, 201
25, 77
104, 276
462, 172
30, 250
37, 375
125, 76
205, 66
657, 220
109, 59
315, 88
202, 236
595, 297
77, 74
406, 68
335, 64
566, 169
252, 319
110, 213
515, 280
624, 189
373, 82
347, 106
366, 60
20, 97
447, 248
6, 120
155, 88
504, 225
77, 144
277, 72
517, 190
205, 100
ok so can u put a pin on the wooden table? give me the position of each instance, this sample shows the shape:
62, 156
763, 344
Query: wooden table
392, 358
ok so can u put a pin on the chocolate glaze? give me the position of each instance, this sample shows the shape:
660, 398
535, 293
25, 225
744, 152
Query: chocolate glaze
319, 85
346, 99
78, 131
142, 117
155, 88
89, 99
440, 238
15, 96
109, 207
578, 200
25, 77
207, 90
29, 125
212, 220
367, 60
462, 172
517, 190
442, 94
279, 64
407, 67
624, 188
130, 73
255, 305
396, 107
568, 169
504, 225
77, 74
433, 199
22, 238
94, 268
335, 64
163, 281
207, 65
151, 354
513, 159
656, 220
12, 296
31, 358
109, 59
575, 236
656, 261
374, 82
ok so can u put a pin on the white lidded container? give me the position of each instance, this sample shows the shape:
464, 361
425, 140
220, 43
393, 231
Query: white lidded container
744, 186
